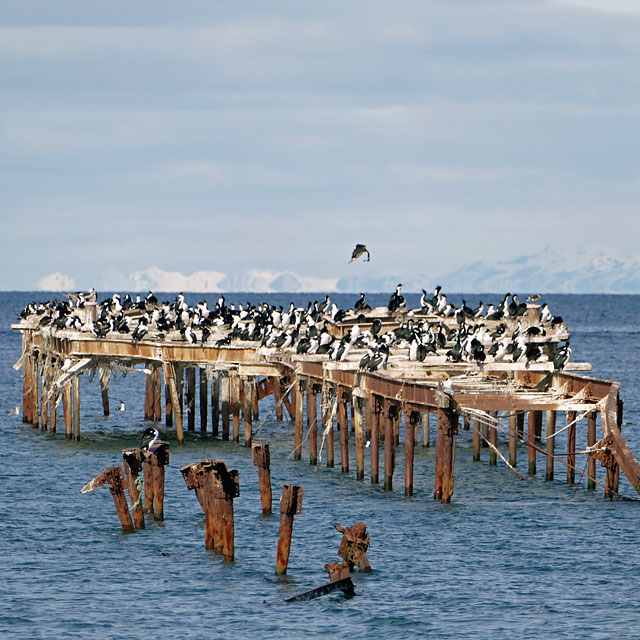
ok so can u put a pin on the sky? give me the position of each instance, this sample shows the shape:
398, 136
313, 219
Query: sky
225, 136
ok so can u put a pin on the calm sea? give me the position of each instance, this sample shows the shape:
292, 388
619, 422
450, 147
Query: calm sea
508, 558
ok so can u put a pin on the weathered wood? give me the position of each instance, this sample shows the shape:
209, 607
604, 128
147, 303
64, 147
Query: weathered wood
410, 423
312, 423
477, 437
204, 399
170, 381
299, 391
104, 390
191, 398
67, 410
44, 410
344, 428
132, 465
445, 453
571, 448
215, 402
513, 440
426, 435
168, 404
247, 410
75, 385
531, 440
591, 460
290, 505
391, 419
277, 398
156, 382
158, 459
328, 397
376, 412
262, 460
359, 437
225, 403
235, 405
148, 398
493, 439
550, 444
114, 476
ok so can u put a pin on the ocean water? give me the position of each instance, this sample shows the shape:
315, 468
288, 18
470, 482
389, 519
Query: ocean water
507, 558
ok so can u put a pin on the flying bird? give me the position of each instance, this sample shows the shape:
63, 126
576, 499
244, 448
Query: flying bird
359, 251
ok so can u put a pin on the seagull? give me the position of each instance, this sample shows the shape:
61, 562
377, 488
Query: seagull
121, 407
359, 250
534, 298
14, 412
149, 438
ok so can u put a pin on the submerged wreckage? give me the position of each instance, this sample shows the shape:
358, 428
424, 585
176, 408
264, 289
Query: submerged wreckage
474, 369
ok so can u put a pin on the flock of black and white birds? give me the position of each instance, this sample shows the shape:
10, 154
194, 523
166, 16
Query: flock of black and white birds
500, 332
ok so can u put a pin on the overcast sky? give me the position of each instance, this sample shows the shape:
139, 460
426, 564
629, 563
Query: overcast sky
209, 135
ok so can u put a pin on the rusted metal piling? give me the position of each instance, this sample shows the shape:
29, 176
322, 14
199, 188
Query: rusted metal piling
290, 505
114, 477
132, 465
154, 474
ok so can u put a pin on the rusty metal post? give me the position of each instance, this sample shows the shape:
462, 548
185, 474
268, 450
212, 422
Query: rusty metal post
571, 448
204, 399
359, 437
156, 378
300, 388
391, 419
115, 479
446, 447
52, 411
148, 398
550, 444
520, 424
410, 425
132, 464
290, 505
467, 421
426, 436
531, 441
247, 410
616, 474
255, 397
225, 403
312, 422
591, 440
343, 396
104, 389
235, 404
375, 403
157, 460
353, 547
513, 439
168, 403
215, 402
262, 460
277, 398
66, 408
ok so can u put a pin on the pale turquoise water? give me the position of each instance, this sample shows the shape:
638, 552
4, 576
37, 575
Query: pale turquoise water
508, 558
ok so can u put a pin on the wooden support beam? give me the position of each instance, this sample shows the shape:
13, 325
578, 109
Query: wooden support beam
158, 459
493, 439
103, 374
254, 395
170, 381
446, 449
391, 419
277, 398
343, 395
114, 476
426, 434
235, 404
52, 411
571, 448
44, 383
225, 403
168, 404
290, 505
591, 460
156, 380
26, 385
299, 389
312, 422
204, 399
550, 445
67, 410
75, 385
376, 412
35, 395
179, 377
262, 460
328, 397
215, 402
247, 410
477, 431
148, 398
359, 437
531, 441
513, 439
191, 398
411, 424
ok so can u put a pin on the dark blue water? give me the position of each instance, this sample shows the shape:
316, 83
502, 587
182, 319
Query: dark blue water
508, 558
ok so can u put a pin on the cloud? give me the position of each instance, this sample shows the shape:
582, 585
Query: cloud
56, 282
157, 279
609, 6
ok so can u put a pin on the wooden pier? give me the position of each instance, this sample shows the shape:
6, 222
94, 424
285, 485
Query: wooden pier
513, 400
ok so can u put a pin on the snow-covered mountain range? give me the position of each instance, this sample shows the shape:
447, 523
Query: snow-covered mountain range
570, 270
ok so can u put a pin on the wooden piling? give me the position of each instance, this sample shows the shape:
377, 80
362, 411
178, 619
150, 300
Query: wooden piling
67, 410
215, 402
343, 396
148, 398
158, 459
26, 386
426, 436
225, 486
262, 460
571, 448
477, 431
170, 381
359, 437
204, 399
247, 410
531, 441
328, 396
75, 384
591, 440
410, 425
35, 392
376, 410
52, 411
620, 413
255, 407
168, 404
290, 505
446, 448
115, 479
513, 439
156, 382
550, 445
225, 403
132, 465
300, 388
277, 398
235, 405
44, 383
391, 419
191, 398
312, 423
493, 439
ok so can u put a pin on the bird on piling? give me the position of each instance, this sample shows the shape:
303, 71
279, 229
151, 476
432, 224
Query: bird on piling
534, 298
149, 438
396, 300
360, 250
360, 304
561, 356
